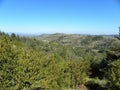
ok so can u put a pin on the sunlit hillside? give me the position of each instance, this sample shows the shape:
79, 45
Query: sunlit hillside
59, 62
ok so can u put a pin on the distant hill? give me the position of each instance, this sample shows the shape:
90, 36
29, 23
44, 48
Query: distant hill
78, 40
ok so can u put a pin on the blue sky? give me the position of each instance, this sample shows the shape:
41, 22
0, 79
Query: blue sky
60, 16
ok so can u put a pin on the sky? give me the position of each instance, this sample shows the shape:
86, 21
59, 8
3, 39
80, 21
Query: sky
60, 16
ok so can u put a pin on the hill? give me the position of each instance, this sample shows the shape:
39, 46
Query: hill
77, 40
59, 62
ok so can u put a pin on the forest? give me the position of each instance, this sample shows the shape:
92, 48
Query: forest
59, 62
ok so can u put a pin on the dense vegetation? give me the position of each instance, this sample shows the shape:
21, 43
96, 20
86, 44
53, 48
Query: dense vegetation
59, 62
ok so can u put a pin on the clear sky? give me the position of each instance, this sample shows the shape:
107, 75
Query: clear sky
60, 16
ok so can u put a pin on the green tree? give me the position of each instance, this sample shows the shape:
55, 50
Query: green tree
79, 71
8, 62
113, 76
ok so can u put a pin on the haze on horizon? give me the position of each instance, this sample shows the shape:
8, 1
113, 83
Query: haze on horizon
60, 16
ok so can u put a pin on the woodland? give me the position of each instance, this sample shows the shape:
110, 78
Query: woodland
59, 62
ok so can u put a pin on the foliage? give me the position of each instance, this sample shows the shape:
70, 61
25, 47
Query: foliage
58, 62
113, 75
79, 71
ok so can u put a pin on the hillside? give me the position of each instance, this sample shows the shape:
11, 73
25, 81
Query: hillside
59, 62
77, 40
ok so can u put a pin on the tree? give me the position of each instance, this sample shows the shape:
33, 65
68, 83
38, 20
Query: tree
79, 71
8, 62
113, 76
